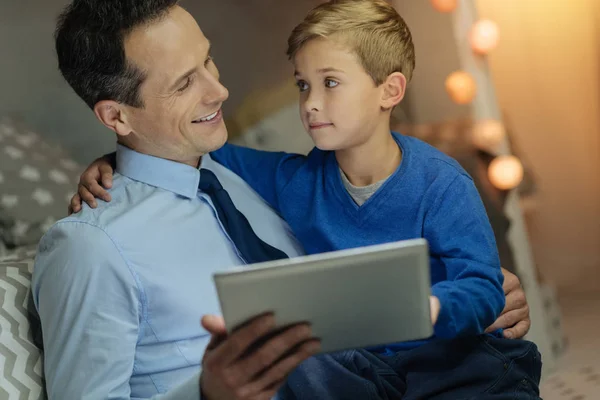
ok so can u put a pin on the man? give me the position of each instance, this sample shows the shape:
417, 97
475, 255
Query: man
120, 288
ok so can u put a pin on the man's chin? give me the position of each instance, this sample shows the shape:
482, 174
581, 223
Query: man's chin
216, 140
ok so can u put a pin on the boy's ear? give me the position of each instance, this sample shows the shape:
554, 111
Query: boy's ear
114, 116
394, 88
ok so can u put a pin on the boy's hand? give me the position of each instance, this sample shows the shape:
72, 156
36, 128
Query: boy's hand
99, 172
236, 367
514, 319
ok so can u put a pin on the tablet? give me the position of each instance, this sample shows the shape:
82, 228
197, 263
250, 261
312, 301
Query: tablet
356, 298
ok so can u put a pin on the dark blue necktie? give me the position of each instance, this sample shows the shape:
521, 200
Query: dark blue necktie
250, 246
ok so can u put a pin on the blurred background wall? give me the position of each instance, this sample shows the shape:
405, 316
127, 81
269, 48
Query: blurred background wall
546, 72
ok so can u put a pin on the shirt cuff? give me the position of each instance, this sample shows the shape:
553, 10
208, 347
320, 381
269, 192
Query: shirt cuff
445, 326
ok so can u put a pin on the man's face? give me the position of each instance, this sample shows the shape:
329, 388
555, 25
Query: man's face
339, 101
181, 119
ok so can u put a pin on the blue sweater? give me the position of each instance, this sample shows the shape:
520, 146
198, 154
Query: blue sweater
429, 196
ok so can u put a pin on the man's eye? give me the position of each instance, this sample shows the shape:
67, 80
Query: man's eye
209, 59
187, 84
331, 83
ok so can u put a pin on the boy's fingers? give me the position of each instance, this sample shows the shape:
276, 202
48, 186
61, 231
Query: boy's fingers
87, 196
106, 172
96, 190
75, 204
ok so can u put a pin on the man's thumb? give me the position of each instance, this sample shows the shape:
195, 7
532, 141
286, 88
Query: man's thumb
214, 325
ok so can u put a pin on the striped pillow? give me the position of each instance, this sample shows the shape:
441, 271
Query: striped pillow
21, 362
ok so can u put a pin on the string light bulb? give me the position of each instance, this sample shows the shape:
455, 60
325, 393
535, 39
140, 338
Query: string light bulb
488, 135
484, 36
505, 172
444, 6
461, 87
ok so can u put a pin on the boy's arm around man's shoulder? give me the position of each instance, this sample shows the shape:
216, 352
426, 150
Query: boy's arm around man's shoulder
461, 237
90, 306
267, 172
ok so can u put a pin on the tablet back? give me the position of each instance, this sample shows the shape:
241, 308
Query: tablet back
354, 298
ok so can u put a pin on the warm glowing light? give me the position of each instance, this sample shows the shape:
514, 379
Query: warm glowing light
505, 172
488, 135
444, 6
484, 36
461, 87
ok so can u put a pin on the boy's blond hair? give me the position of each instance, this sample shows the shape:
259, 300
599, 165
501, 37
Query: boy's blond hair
372, 29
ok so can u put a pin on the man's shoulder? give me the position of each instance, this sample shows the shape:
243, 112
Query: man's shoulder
78, 246
124, 193
90, 236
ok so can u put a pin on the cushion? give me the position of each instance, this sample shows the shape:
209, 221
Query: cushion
36, 181
3, 249
24, 253
21, 362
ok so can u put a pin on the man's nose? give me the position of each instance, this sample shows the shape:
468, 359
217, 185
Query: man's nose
215, 92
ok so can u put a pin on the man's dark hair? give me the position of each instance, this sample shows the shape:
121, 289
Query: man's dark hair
90, 47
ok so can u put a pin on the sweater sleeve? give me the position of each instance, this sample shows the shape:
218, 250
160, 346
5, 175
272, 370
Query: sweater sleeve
267, 172
461, 239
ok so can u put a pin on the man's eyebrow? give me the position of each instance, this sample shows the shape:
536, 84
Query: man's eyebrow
182, 78
188, 73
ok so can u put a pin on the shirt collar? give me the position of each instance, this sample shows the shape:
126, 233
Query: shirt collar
169, 175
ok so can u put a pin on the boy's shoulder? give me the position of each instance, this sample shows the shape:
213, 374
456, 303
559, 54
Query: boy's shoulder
428, 159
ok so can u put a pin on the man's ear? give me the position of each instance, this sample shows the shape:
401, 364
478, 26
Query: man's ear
394, 88
114, 116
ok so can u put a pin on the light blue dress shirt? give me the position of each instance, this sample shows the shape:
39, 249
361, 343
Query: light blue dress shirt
120, 289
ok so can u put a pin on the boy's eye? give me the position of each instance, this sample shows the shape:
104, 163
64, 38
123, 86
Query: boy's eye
209, 59
330, 83
302, 85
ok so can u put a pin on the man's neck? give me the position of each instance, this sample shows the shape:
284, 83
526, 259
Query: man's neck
192, 161
372, 161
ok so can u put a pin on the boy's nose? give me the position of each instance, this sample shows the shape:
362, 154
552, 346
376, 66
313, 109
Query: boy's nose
312, 103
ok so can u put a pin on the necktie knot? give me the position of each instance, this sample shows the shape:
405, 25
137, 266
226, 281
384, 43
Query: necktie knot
208, 181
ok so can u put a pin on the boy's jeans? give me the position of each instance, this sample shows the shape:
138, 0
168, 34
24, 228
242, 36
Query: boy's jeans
482, 367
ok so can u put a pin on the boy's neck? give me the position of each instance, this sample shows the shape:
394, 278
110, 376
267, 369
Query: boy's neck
372, 161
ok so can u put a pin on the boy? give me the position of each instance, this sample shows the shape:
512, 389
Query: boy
364, 185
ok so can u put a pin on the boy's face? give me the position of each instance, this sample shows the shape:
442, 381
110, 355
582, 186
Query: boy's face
340, 105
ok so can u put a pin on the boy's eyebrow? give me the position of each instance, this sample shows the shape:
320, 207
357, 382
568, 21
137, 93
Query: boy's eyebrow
329, 69
322, 71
